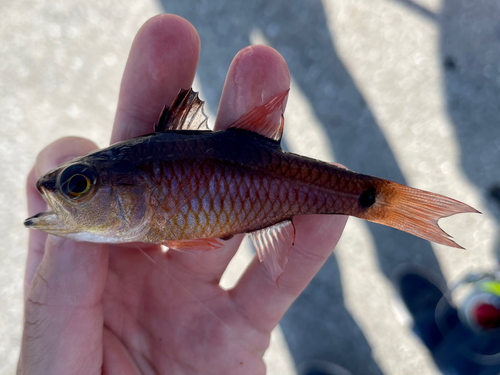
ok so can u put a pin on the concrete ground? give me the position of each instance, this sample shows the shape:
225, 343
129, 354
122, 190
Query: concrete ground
407, 90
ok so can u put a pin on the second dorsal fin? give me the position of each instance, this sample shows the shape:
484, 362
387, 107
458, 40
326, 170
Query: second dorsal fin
262, 119
185, 113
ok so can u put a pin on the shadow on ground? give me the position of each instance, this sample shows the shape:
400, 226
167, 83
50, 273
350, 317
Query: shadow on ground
470, 60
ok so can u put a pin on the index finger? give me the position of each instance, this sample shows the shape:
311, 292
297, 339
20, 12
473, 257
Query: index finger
162, 60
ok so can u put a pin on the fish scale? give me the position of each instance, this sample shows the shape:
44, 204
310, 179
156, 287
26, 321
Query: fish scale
219, 199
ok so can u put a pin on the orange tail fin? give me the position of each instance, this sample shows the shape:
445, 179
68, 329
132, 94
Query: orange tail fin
415, 211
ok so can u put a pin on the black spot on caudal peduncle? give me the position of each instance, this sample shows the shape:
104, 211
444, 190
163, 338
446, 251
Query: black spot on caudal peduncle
367, 198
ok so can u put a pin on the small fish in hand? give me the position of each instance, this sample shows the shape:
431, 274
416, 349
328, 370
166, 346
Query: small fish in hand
188, 187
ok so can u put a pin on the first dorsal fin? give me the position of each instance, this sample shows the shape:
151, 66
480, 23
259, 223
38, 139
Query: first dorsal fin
262, 119
185, 113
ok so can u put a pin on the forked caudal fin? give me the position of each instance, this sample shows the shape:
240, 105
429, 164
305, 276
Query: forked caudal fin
415, 211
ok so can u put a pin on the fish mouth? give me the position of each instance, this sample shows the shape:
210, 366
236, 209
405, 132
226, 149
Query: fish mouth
48, 221
40, 220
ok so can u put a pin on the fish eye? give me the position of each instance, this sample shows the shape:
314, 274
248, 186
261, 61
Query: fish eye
76, 181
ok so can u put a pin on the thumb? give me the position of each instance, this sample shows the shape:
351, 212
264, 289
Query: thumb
50, 157
63, 320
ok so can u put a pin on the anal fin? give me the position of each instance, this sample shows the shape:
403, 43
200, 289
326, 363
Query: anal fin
273, 245
185, 113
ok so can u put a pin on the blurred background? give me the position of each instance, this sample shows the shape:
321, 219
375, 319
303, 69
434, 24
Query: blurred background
407, 90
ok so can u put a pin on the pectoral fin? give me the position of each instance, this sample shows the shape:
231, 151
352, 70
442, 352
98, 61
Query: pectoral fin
273, 245
194, 246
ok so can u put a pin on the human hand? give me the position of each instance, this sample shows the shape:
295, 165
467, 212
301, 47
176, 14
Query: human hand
133, 309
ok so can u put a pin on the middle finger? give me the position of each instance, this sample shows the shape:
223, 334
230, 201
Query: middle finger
256, 74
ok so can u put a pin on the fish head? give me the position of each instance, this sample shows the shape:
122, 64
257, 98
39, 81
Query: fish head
92, 198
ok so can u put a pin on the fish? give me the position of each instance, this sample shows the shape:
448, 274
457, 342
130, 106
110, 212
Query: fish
190, 188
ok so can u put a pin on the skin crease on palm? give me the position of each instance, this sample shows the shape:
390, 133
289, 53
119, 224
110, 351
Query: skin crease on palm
133, 309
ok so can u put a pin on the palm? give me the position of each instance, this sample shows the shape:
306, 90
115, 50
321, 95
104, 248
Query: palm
159, 314
132, 309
